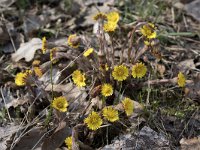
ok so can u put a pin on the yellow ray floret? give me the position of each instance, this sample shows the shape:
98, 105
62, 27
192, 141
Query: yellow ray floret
139, 70
60, 103
110, 114
113, 17
120, 73
21, 78
68, 142
181, 80
106, 90
52, 53
148, 30
78, 78
93, 121
128, 106
38, 71
44, 45
110, 26
88, 52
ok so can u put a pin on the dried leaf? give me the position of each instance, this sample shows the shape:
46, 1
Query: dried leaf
32, 139
190, 144
57, 138
27, 50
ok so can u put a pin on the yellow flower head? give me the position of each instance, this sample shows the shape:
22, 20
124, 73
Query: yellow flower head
148, 30
128, 106
110, 26
88, 52
100, 16
22, 77
52, 53
120, 73
93, 121
60, 103
73, 41
139, 70
113, 17
38, 71
68, 142
36, 62
78, 78
106, 90
181, 80
110, 114
44, 45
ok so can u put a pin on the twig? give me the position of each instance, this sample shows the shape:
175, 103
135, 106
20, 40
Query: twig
5, 104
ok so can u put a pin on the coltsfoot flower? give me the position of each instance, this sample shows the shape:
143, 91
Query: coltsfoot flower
110, 114
73, 41
88, 52
128, 106
78, 78
38, 71
52, 53
120, 73
113, 17
139, 70
68, 142
44, 45
148, 30
93, 121
181, 80
36, 62
110, 26
106, 89
21, 78
60, 103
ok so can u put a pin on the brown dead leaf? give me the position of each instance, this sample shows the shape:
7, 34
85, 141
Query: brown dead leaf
30, 140
190, 144
27, 50
6, 133
57, 138
186, 65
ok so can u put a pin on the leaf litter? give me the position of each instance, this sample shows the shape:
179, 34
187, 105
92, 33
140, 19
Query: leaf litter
161, 116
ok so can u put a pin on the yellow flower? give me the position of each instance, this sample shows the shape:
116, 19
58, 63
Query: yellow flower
110, 114
110, 26
181, 80
128, 106
120, 73
52, 53
106, 90
60, 103
93, 121
148, 30
113, 17
73, 41
78, 78
44, 45
139, 70
38, 71
68, 142
88, 52
100, 16
21, 78
36, 62
104, 67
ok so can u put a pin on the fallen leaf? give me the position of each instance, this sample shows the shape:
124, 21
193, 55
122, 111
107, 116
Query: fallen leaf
27, 50
32, 139
190, 144
57, 138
